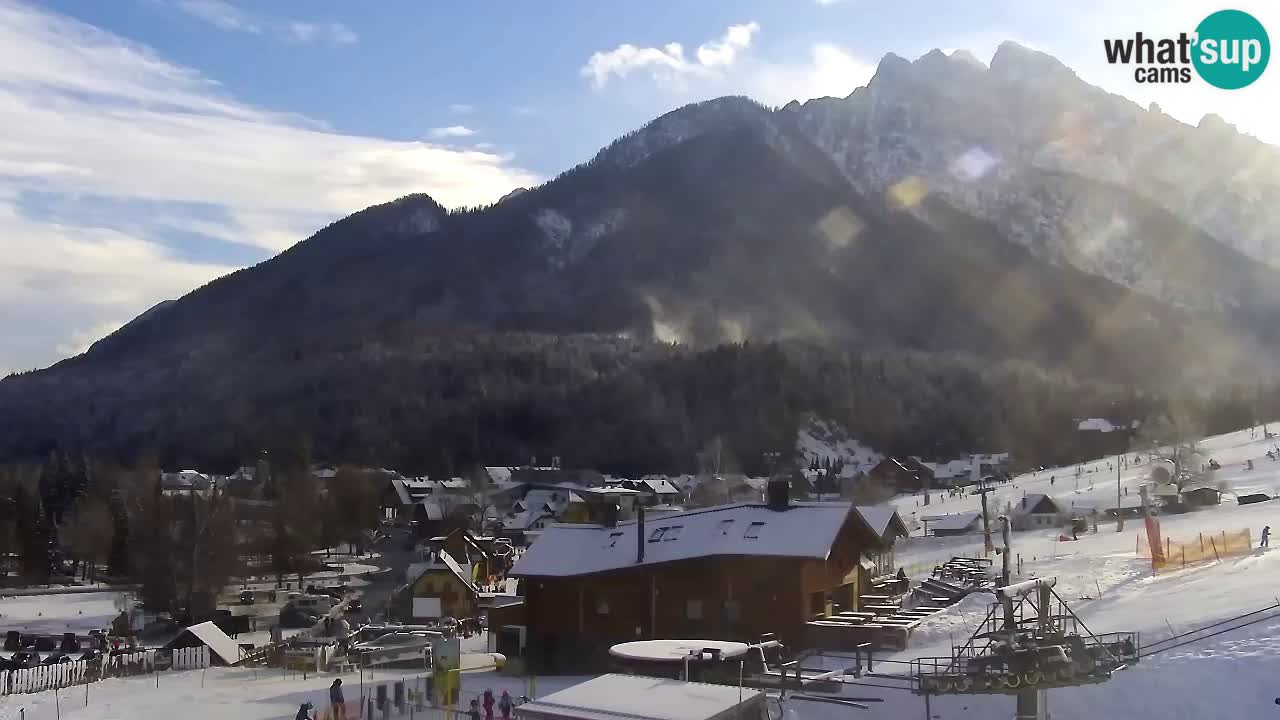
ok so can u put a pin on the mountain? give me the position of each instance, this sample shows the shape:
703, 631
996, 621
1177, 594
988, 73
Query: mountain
1079, 176
727, 269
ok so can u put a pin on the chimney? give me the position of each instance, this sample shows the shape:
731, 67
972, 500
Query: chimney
779, 494
639, 534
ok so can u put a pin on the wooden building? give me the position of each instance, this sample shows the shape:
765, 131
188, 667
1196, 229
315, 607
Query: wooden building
438, 589
731, 572
903, 474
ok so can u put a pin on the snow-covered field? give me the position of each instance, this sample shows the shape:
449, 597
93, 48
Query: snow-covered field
53, 614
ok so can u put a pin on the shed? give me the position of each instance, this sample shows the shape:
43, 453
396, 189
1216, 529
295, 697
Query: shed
635, 697
225, 651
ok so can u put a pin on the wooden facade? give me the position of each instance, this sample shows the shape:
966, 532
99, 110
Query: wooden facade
572, 621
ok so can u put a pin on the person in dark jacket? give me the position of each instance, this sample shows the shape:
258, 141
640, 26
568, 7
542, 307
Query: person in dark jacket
304, 712
337, 701
488, 704
1266, 536
474, 712
504, 705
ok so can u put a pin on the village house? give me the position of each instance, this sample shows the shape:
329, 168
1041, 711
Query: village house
1037, 512
902, 474
438, 588
732, 572
954, 524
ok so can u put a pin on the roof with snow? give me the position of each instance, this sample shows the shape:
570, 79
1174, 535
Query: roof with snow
218, 641
956, 521
882, 518
803, 530
1037, 503
635, 697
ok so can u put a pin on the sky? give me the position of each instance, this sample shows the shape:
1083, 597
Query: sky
150, 146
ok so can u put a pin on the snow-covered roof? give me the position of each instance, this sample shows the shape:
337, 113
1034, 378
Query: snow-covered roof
402, 492
433, 510
499, 475
879, 518
1031, 500
218, 641
1105, 425
636, 697
956, 521
659, 484
950, 469
441, 560
804, 530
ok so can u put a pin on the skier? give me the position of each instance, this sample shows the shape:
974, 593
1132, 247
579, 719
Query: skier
488, 704
504, 705
1266, 536
337, 701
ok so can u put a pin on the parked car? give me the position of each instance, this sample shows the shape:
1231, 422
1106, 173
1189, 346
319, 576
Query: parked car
56, 658
248, 598
91, 655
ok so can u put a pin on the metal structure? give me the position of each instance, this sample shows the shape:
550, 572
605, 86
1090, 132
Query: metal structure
1029, 641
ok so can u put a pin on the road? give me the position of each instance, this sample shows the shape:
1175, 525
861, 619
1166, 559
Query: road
397, 559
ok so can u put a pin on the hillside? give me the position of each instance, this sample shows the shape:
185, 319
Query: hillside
585, 317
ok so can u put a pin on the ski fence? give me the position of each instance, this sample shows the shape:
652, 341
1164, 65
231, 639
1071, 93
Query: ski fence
1205, 547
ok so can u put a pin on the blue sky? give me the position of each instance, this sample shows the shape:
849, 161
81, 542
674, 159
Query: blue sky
149, 146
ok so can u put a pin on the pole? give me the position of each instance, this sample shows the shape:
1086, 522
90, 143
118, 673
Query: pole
1119, 515
986, 523
1004, 532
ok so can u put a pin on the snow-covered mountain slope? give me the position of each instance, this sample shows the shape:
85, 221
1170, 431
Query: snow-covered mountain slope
1077, 175
826, 441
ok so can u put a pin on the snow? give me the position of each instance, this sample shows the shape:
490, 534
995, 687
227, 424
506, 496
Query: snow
218, 641
555, 226
58, 613
804, 530
675, 650
822, 440
633, 697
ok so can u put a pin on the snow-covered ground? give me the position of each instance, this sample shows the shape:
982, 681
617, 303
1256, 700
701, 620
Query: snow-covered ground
54, 614
1229, 676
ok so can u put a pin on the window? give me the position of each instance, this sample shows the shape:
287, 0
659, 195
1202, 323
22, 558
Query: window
613, 539
725, 525
672, 533
602, 606
693, 610
753, 530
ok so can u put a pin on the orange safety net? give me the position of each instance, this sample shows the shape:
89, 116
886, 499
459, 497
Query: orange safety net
1204, 547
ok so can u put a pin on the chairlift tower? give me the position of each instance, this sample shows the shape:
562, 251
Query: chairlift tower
1030, 641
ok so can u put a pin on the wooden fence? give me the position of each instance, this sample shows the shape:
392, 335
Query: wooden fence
61, 675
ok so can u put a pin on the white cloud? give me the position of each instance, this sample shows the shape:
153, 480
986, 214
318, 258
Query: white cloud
668, 64
220, 14
93, 117
461, 109
225, 15
453, 131
329, 33
829, 71
726, 66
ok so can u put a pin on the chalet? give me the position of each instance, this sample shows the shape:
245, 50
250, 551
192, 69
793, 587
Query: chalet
487, 556
655, 489
438, 588
903, 474
1038, 511
185, 482
885, 522
732, 572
